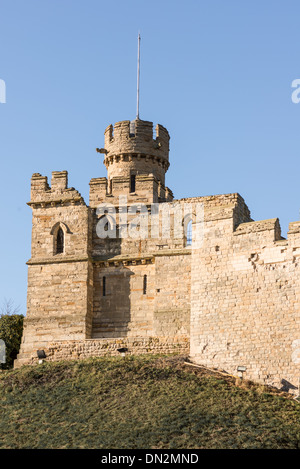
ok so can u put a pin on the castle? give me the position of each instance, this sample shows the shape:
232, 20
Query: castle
102, 281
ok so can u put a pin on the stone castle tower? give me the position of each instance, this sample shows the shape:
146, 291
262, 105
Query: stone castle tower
136, 163
82, 287
97, 281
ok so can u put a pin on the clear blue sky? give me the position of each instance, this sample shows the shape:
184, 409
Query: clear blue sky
216, 73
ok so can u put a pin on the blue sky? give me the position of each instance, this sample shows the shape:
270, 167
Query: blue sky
216, 73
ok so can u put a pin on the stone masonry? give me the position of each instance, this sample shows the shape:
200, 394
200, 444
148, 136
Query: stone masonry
115, 274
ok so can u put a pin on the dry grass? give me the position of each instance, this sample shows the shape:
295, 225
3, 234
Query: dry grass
141, 402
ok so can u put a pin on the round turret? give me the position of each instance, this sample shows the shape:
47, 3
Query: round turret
131, 150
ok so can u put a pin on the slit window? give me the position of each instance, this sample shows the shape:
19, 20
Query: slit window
60, 241
145, 285
104, 286
132, 183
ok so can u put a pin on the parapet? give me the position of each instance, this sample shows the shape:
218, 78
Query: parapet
269, 229
294, 228
59, 180
58, 193
136, 137
294, 233
39, 184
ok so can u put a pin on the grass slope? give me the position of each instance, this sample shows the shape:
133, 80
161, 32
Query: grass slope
140, 402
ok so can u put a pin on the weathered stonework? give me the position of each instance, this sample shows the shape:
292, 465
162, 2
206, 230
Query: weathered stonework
77, 349
230, 298
245, 302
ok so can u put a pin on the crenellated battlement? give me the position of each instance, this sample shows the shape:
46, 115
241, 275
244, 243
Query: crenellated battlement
57, 193
136, 138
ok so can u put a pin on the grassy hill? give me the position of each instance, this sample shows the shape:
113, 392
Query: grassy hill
140, 402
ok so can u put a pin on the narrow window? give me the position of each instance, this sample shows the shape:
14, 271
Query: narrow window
60, 241
104, 286
189, 233
132, 183
145, 285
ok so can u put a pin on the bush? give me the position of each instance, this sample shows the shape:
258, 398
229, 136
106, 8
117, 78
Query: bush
11, 329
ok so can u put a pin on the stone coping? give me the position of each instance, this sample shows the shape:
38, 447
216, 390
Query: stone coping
120, 258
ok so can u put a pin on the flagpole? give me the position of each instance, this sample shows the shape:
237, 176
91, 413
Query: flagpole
138, 80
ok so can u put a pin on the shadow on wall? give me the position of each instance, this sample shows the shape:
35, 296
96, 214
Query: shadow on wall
111, 297
112, 312
287, 386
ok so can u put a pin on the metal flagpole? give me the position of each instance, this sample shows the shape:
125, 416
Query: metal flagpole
138, 80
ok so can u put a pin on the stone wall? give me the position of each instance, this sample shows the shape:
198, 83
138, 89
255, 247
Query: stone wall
124, 309
245, 299
78, 349
172, 295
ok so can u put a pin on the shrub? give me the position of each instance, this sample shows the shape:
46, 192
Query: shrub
11, 328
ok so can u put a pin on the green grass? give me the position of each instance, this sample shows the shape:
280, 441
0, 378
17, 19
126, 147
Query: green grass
140, 402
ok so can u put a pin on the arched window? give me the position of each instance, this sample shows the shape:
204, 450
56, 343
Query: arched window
59, 232
189, 232
59, 241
